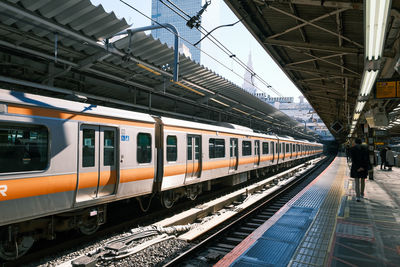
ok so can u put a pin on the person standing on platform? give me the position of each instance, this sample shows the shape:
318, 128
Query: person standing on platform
348, 153
382, 153
359, 167
389, 158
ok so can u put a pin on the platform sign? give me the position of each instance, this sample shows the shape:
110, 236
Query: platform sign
398, 89
387, 89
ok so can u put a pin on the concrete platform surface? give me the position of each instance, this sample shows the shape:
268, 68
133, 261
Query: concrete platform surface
328, 227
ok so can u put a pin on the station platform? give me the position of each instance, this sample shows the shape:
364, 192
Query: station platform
324, 225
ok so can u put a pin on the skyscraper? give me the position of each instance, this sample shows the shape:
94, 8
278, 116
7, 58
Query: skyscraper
162, 14
248, 83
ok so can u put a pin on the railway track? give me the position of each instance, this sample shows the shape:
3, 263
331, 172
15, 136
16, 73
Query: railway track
223, 239
124, 223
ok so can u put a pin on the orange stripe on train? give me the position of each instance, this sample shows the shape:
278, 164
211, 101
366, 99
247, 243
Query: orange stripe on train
37, 186
29, 187
53, 113
132, 175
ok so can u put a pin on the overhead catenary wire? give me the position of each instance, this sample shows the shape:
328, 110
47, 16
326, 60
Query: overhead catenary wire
209, 55
223, 47
222, 64
156, 22
68, 34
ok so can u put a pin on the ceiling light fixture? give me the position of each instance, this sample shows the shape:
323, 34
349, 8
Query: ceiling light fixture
368, 82
359, 106
376, 15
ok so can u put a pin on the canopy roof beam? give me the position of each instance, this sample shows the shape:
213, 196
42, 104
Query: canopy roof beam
311, 71
306, 45
332, 4
323, 59
312, 24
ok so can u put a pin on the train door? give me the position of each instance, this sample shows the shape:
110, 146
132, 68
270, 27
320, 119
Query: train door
277, 152
272, 151
97, 175
193, 160
234, 155
256, 152
291, 150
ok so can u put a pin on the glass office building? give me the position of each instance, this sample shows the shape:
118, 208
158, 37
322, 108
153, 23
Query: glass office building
162, 14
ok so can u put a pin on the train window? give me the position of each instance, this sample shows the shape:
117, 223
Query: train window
172, 148
287, 148
233, 147
88, 149
246, 148
265, 148
144, 148
197, 148
23, 148
109, 148
294, 148
189, 149
216, 148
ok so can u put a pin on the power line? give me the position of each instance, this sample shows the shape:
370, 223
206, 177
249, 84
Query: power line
230, 54
223, 48
222, 64
216, 60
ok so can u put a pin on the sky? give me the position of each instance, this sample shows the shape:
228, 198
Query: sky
236, 38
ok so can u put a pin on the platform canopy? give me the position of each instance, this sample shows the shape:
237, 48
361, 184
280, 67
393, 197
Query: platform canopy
320, 46
69, 49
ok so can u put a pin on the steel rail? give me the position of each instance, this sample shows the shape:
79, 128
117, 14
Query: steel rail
190, 254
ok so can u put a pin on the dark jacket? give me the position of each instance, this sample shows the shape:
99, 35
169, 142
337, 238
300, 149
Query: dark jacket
360, 159
382, 153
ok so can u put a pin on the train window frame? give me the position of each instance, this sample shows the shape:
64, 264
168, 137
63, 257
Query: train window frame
26, 150
214, 149
86, 147
265, 150
246, 151
287, 148
109, 149
138, 139
175, 158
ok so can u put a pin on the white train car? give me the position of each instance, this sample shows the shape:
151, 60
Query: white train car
61, 162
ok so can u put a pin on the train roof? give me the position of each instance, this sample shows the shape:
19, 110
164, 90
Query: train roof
227, 128
21, 98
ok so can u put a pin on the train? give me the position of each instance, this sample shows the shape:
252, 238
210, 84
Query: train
63, 162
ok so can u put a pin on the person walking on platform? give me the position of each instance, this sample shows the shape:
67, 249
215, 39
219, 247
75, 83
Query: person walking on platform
348, 153
389, 158
359, 167
382, 153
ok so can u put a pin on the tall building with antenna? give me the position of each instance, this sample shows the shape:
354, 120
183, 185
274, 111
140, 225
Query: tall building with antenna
164, 13
248, 83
